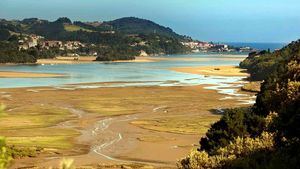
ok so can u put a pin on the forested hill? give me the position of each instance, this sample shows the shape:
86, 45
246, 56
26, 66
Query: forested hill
65, 29
261, 64
132, 25
121, 39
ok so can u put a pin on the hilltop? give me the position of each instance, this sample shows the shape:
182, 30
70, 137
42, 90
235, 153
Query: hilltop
133, 25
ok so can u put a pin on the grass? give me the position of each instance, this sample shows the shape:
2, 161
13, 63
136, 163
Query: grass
59, 142
41, 137
106, 108
33, 116
180, 125
30, 126
73, 28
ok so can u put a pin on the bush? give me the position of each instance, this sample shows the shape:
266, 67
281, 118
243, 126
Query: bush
5, 158
19, 152
286, 157
238, 122
239, 147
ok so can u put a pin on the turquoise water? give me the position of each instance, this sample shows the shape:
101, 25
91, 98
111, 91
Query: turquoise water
151, 73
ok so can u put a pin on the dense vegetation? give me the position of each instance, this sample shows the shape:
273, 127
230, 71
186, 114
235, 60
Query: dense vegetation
267, 135
5, 158
125, 37
132, 25
261, 64
9, 53
117, 53
234, 123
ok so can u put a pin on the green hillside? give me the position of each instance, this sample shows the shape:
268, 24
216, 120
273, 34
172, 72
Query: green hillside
132, 25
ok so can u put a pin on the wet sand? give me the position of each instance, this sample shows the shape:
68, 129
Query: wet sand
111, 120
67, 60
6, 74
213, 70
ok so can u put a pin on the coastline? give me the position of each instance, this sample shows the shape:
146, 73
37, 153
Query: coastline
213, 70
138, 59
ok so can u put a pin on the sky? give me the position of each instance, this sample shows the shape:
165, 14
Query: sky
207, 20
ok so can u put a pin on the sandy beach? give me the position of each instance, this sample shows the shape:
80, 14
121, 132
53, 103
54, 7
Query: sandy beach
90, 59
6, 74
213, 70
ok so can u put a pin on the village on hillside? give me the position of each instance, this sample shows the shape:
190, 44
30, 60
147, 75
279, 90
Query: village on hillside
34, 41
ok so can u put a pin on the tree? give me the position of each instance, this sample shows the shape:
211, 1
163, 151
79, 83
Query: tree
238, 122
4, 34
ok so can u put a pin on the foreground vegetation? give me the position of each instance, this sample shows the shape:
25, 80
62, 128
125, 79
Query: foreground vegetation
266, 135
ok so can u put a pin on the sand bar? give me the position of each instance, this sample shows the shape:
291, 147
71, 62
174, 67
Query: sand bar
89, 59
7, 74
67, 60
213, 70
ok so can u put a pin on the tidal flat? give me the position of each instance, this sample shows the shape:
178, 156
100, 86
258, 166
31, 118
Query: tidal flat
115, 125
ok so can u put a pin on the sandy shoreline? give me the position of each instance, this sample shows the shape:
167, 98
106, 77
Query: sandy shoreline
213, 70
139, 59
88, 59
9, 74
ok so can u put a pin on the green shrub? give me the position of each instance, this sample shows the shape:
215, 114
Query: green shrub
19, 152
239, 147
5, 158
238, 122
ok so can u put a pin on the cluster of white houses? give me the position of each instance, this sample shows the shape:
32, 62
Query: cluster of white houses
31, 41
198, 45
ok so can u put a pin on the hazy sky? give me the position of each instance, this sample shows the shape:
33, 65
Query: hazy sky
210, 20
